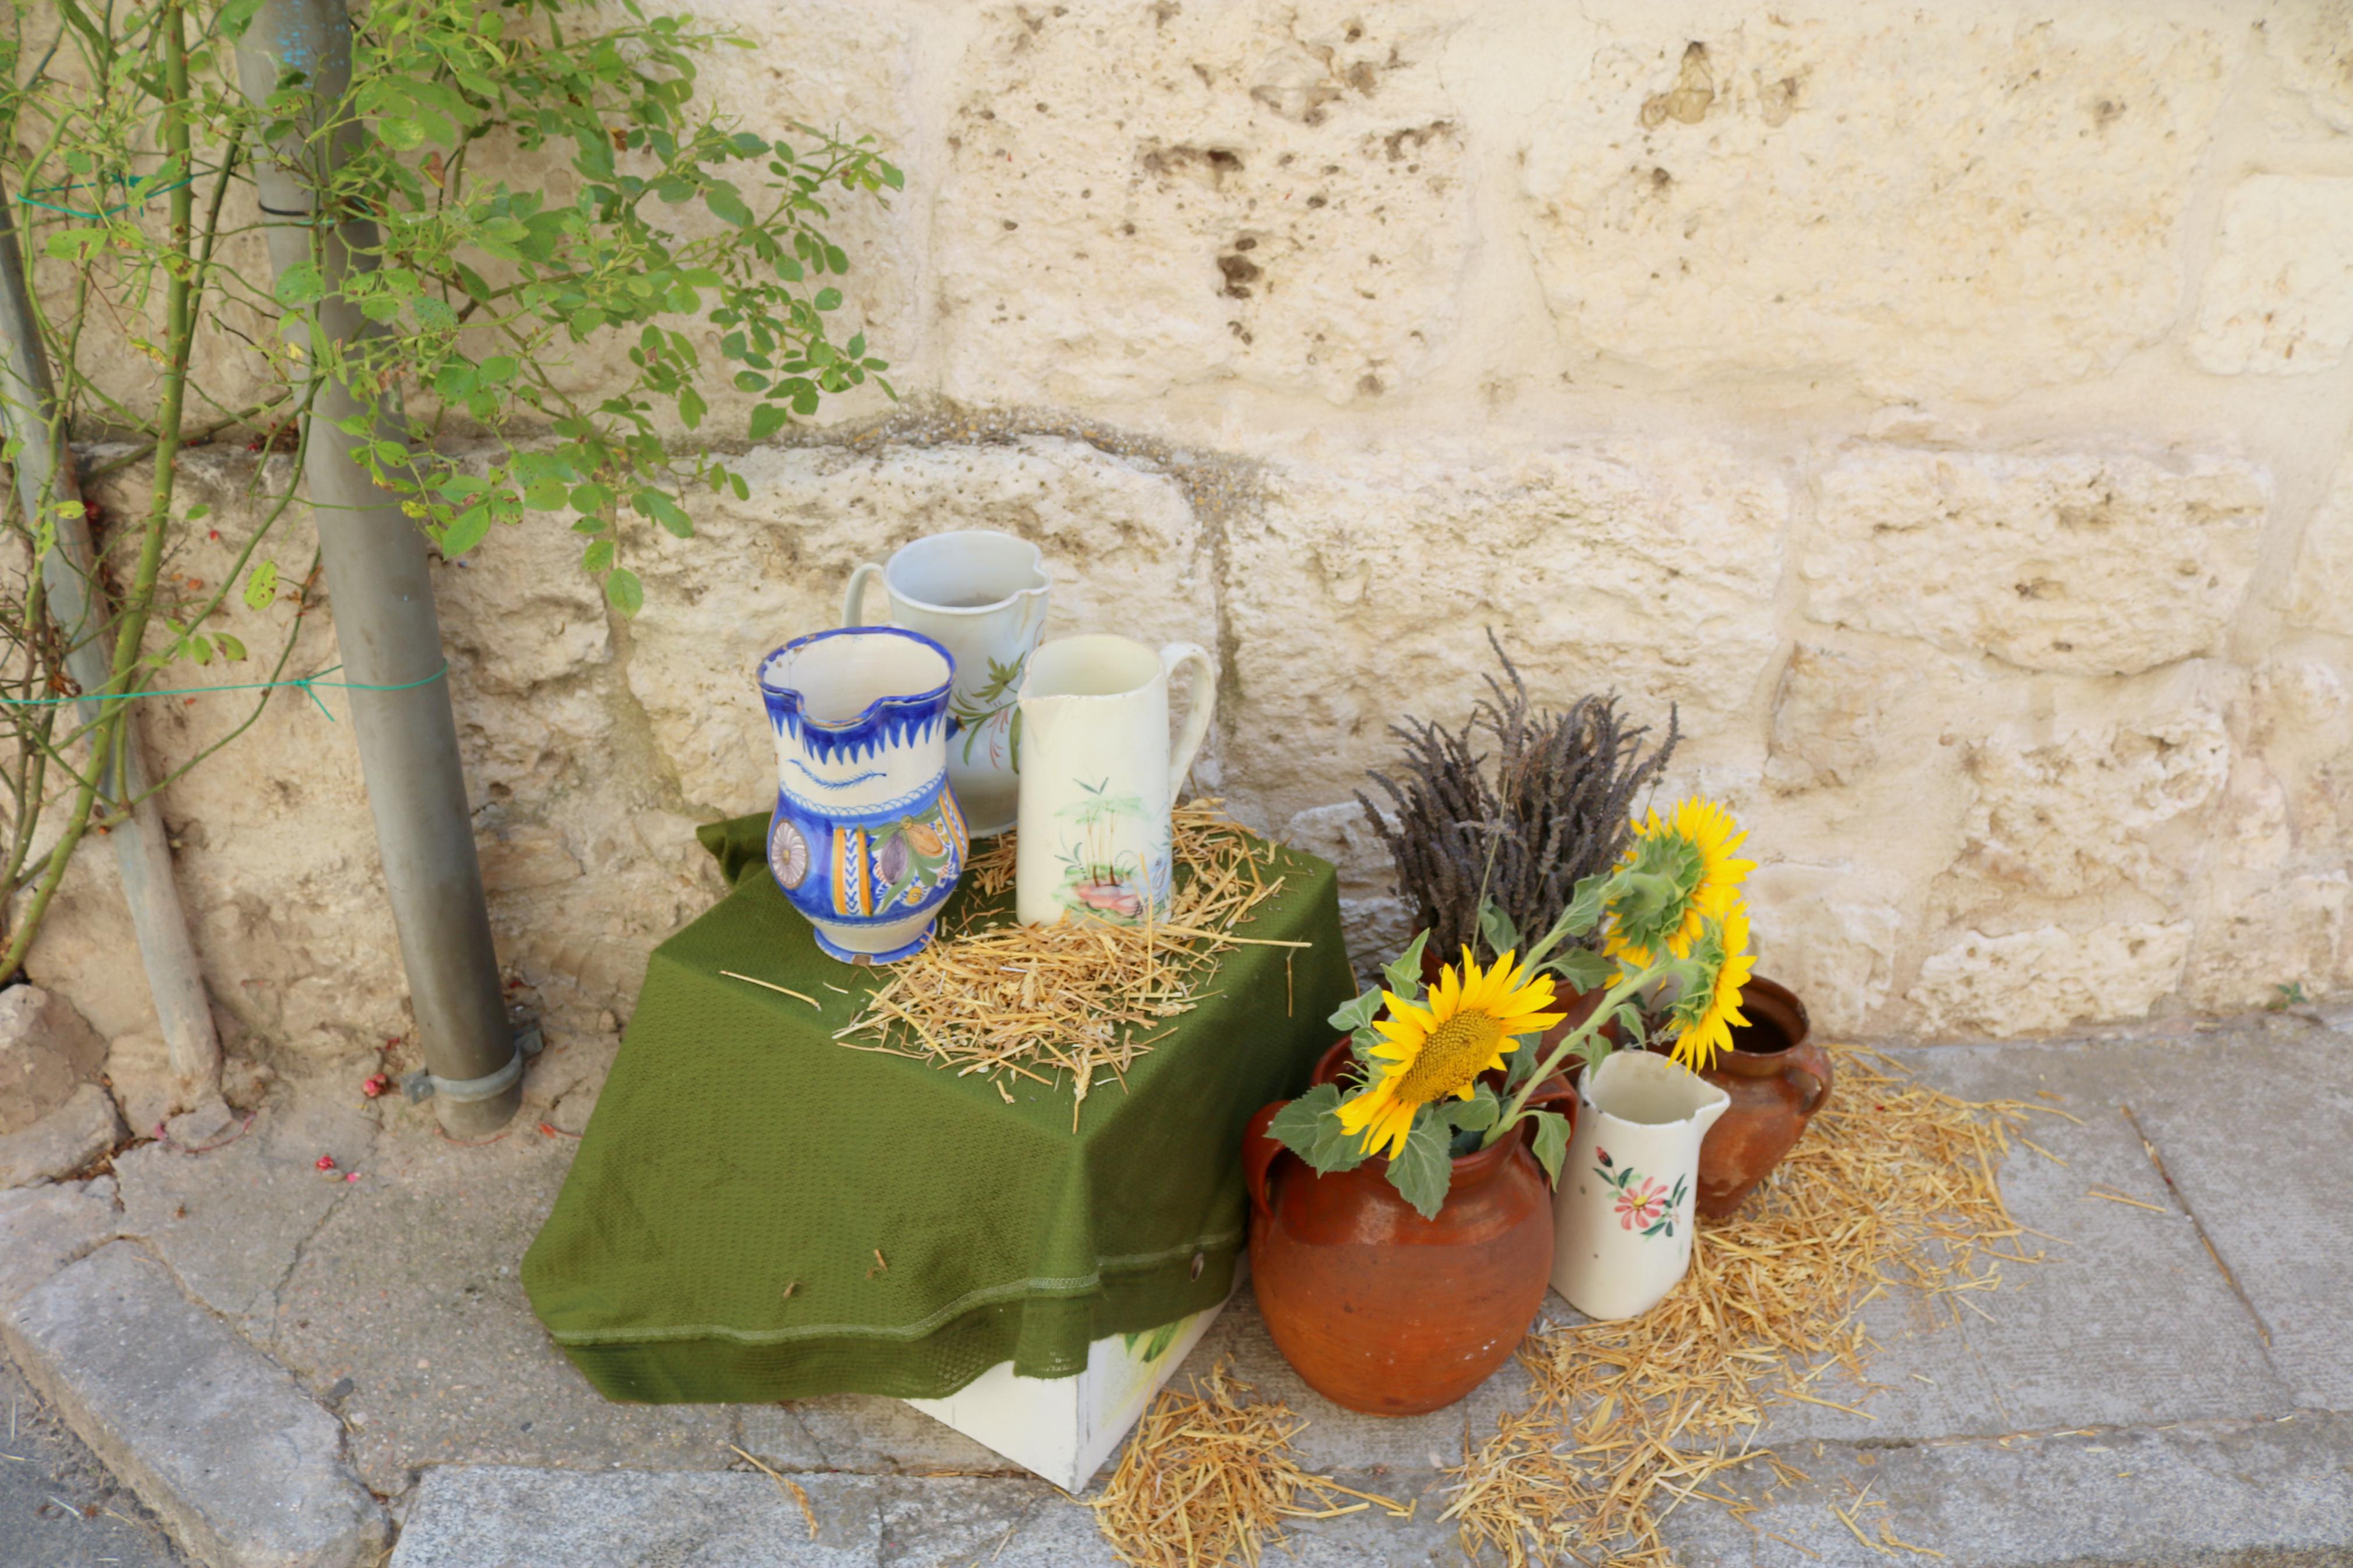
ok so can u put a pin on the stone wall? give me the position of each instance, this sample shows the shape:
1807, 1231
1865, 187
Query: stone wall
1945, 408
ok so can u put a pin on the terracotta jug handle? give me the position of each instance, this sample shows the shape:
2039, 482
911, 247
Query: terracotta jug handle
853, 598
1259, 1153
1820, 1081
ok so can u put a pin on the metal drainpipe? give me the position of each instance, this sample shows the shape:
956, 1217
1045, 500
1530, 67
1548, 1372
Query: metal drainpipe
382, 594
48, 485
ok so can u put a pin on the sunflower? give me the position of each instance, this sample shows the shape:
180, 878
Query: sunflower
1692, 848
1707, 1016
1469, 1023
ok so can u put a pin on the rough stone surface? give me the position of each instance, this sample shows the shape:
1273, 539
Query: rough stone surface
242, 1466
2082, 564
2269, 1492
2047, 978
2279, 293
1715, 195
44, 1228
138, 1071
496, 1515
46, 1048
63, 1141
58, 1506
2313, 47
2321, 595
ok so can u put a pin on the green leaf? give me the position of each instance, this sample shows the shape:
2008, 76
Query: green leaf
300, 284
767, 418
598, 556
1404, 971
666, 512
628, 596
1583, 968
1356, 1013
469, 528
400, 133
1475, 1114
827, 300
546, 495
229, 647
261, 585
1422, 1169
727, 205
1299, 1126
1552, 1141
1497, 930
691, 407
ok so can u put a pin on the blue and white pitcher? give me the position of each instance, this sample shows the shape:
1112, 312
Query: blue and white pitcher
866, 840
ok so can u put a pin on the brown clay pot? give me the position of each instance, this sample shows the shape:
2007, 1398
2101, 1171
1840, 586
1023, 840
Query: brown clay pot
1378, 1309
1777, 1079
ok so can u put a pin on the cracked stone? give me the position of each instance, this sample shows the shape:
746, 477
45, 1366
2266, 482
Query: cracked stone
46, 1048
44, 1228
63, 1141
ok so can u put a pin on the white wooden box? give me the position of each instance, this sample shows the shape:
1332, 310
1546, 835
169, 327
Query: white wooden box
1063, 1428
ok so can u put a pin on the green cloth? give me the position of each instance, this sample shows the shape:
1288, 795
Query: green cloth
716, 1238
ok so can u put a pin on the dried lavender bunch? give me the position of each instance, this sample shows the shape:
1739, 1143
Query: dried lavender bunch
1552, 809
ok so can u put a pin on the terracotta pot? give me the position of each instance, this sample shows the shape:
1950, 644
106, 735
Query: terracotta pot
1378, 1309
1777, 1079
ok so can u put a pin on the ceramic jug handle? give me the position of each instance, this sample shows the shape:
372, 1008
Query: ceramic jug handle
853, 598
1821, 1086
1259, 1154
1197, 715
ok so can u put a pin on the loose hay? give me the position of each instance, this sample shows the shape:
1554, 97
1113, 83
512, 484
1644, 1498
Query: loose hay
1894, 1183
1081, 997
1206, 1477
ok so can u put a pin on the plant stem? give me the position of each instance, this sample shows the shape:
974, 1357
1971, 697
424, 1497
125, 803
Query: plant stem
1574, 1040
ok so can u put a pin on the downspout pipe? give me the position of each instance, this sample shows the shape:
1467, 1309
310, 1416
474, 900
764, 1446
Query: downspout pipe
380, 592
47, 485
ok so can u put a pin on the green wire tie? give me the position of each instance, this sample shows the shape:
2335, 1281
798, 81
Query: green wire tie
305, 683
110, 212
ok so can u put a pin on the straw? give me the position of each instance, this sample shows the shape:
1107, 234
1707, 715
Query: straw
1208, 1478
1081, 998
1894, 1185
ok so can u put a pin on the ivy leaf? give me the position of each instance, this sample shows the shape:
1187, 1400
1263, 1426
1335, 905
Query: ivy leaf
1404, 971
1552, 1141
1422, 1169
628, 596
261, 585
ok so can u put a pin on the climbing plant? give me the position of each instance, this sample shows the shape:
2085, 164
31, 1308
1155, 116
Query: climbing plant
559, 247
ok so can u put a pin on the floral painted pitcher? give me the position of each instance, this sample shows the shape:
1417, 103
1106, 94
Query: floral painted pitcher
1099, 776
1622, 1213
866, 839
981, 595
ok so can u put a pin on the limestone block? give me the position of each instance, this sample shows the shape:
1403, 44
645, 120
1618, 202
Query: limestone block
2279, 292
2089, 564
61, 1142
2046, 978
1122, 544
1278, 196
2260, 932
2299, 717
1362, 593
2320, 595
2076, 810
1931, 203
1826, 932
44, 1228
2313, 46
46, 1048
519, 609
1378, 922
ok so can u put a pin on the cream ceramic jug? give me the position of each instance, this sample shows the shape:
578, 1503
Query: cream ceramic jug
1622, 1214
1099, 777
980, 594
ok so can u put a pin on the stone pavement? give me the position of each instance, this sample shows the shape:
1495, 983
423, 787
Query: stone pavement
2169, 1386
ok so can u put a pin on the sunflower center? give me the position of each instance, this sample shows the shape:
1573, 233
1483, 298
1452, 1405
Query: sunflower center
1451, 1058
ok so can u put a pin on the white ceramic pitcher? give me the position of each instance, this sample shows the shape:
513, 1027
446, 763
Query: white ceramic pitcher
980, 594
1622, 1215
1099, 777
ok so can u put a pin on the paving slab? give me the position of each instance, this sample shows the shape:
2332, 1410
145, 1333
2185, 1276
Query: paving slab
44, 1228
405, 1311
2256, 1144
2277, 1493
867, 1434
59, 1507
501, 1516
246, 1470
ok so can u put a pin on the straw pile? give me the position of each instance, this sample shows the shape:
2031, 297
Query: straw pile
1081, 997
1207, 1477
1894, 1185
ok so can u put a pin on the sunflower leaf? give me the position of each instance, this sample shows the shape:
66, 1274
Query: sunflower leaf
1355, 1014
1404, 971
1310, 1127
1498, 930
1584, 906
1552, 1141
1422, 1170
1475, 1114
1583, 968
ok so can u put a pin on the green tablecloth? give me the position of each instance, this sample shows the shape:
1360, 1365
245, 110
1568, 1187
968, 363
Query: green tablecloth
717, 1237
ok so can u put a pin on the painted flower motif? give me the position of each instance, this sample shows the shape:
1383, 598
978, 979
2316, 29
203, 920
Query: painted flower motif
1640, 1206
